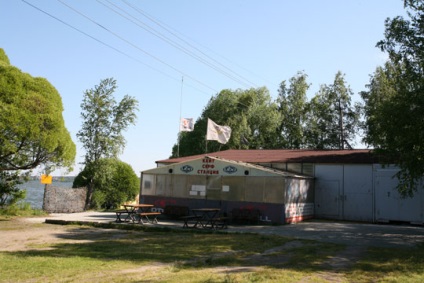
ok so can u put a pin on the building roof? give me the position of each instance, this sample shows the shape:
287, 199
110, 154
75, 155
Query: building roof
354, 156
219, 164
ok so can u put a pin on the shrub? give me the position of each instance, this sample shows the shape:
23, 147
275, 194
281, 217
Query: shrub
114, 182
10, 194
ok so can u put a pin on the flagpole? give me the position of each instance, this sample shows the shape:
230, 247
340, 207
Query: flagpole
179, 123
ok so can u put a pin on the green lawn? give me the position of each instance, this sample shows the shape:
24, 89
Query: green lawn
87, 254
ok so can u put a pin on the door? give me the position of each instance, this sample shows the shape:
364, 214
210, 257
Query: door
357, 193
328, 191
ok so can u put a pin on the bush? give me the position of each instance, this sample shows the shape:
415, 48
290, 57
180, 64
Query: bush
10, 194
114, 182
21, 209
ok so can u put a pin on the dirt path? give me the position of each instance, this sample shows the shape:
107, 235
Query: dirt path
22, 234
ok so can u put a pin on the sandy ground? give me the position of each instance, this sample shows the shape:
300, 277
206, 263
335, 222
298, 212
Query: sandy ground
22, 234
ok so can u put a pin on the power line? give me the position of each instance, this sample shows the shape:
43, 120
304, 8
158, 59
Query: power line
175, 33
216, 65
137, 47
171, 42
110, 46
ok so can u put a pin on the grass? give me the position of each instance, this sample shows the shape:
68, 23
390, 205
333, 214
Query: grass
22, 209
90, 254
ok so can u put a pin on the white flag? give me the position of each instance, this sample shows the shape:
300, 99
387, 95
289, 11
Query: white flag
186, 125
218, 133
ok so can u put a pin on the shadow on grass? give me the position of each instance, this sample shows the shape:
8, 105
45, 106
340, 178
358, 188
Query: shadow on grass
188, 248
195, 249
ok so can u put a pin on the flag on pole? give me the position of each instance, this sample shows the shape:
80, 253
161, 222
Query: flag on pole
186, 125
218, 133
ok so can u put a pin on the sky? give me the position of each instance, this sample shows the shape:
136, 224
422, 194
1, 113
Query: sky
174, 56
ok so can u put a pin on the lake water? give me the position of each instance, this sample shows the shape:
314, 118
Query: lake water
35, 191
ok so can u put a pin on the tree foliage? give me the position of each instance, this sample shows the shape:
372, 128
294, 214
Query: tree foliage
9, 191
32, 128
104, 121
114, 180
101, 135
292, 102
251, 114
395, 100
332, 120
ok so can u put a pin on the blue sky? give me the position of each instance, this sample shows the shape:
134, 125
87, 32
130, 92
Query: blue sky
252, 44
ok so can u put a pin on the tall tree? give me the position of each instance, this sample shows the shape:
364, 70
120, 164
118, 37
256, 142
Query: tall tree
104, 121
292, 103
378, 110
396, 126
251, 114
32, 128
333, 122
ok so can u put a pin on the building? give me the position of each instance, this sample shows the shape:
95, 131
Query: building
332, 184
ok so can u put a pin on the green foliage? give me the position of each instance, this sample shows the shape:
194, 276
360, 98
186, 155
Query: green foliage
4, 60
114, 182
22, 209
32, 128
251, 114
332, 120
104, 120
395, 100
292, 106
10, 194
328, 121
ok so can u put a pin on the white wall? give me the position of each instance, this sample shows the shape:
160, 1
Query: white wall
389, 205
344, 192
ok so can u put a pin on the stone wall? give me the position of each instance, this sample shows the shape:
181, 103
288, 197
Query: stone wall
64, 200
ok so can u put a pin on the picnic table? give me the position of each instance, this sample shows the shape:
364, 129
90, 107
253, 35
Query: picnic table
205, 218
141, 211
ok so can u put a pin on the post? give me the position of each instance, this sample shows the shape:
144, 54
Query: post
179, 122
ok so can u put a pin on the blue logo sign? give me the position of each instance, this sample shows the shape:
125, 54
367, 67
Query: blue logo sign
186, 168
230, 169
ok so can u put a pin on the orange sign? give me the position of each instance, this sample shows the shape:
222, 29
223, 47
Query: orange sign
46, 179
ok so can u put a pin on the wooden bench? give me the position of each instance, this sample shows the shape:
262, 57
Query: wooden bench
119, 213
146, 216
188, 218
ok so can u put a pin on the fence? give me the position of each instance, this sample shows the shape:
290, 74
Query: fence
64, 200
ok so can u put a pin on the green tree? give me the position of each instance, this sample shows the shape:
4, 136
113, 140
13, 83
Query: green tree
32, 128
251, 114
396, 122
114, 180
104, 121
377, 106
332, 120
9, 191
292, 106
